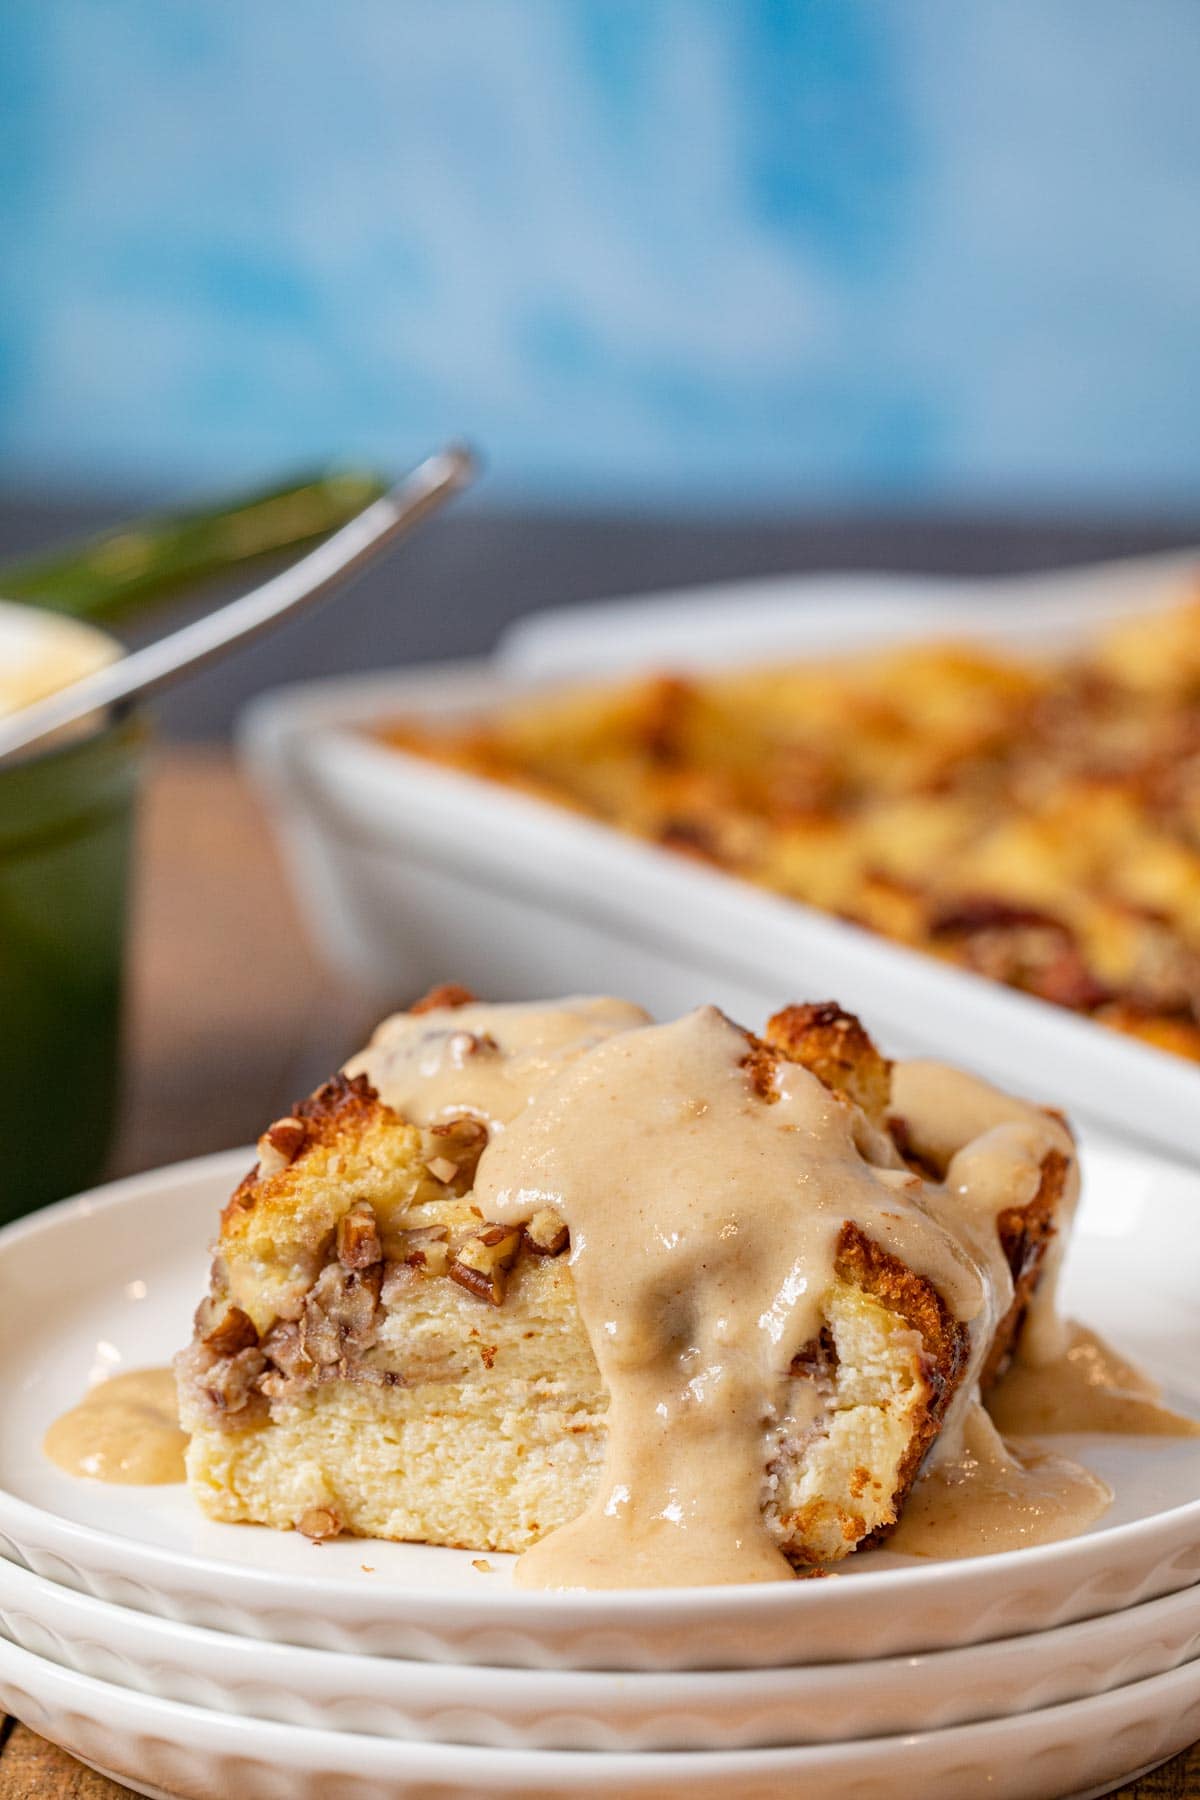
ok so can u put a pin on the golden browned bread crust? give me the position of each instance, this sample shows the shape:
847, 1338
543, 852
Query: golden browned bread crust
946, 1341
339, 1108
1025, 1233
834, 1046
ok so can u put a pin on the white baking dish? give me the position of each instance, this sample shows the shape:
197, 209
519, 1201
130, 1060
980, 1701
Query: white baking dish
410, 874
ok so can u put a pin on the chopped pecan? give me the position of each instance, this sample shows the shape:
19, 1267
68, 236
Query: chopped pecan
431, 1257
442, 1169
546, 1234
983, 912
358, 1245
1021, 946
415, 1254
229, 1382
224, 1329
482, 1286
460, 1142
319, 1523
284, 1344
339, 1314
280, 1145
450, 993
482, 1263
223, 1389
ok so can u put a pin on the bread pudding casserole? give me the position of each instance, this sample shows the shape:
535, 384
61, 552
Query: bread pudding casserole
1034, 820
647, 1302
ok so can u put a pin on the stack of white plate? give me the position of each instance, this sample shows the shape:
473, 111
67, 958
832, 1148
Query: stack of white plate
188, 1658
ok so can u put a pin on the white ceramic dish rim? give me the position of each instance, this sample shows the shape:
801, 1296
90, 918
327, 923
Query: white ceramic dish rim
625, 1608
756, 615
287, 1746
310, 741
508, 1707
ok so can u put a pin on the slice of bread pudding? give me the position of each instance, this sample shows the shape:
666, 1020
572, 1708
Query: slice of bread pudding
380, 1353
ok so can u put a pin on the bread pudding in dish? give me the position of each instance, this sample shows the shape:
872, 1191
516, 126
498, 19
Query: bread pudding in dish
648, 1303
1035, 820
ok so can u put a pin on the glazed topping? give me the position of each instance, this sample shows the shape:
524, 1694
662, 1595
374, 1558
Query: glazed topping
704, 1217
990, 1146
488, 1062
125, 1430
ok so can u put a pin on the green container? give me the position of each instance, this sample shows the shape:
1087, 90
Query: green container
66, 833
66, 829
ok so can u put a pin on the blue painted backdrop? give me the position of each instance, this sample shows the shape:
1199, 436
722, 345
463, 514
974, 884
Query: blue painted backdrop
897, 250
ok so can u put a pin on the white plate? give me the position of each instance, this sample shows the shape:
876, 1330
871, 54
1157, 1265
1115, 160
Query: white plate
110, 1280
524, 1709
409, 873
160, 1746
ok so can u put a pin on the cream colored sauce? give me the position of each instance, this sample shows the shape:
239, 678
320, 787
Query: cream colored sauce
125, 1430
1090, 1387
947, 1111
992, 1496
488, 1062
704, 1223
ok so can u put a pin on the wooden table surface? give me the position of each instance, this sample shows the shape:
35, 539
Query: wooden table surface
230, 1019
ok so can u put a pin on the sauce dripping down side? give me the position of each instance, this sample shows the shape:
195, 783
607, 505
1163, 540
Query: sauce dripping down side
125, 1430
704, 1219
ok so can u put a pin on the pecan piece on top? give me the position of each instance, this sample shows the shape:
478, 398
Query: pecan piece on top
280, 1145
459, 1143
546, 1233
481, 1265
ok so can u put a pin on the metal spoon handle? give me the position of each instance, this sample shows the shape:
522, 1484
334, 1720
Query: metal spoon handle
142, 561
146, 671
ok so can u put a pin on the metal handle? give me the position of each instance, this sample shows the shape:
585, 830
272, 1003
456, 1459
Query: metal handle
146, 560
344, 554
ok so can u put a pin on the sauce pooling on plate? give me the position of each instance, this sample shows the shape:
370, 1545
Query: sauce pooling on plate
989, 1495
1089, 1387
125, 1430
